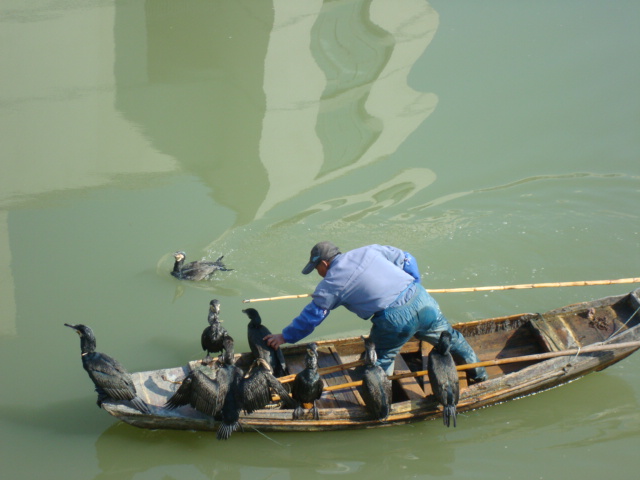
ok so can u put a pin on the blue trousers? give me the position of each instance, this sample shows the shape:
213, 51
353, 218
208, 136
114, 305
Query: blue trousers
420, 316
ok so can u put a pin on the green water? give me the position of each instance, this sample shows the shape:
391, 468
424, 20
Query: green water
496, 141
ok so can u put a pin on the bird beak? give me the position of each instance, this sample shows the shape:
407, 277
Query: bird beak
72, 326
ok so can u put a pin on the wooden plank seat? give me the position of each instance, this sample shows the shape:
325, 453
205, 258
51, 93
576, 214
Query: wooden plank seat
328, 356
409, 385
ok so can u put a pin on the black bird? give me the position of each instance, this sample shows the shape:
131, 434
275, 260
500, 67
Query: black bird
376, 386
443, 377
213, 335
259, 347
307, 386
199, 270
258, 385
200, 390
230, 380
111, 379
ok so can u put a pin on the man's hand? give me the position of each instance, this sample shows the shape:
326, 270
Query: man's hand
274, 340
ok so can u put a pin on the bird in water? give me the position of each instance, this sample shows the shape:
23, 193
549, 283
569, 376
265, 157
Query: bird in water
112, 381
376, 386
213, 335
307, 385
443, 377
258, 385
259, 347
198, 270
230, 380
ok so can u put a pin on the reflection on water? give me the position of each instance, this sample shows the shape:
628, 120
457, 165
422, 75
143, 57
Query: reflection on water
283, 96
196, 89
352, 107
423, 449
278, 456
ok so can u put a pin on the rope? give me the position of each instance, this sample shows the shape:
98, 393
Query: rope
269, 438
624, 324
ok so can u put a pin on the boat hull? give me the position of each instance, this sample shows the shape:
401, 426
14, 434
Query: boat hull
611, 323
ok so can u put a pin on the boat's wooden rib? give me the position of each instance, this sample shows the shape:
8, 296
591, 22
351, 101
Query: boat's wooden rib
608, 321
409, 385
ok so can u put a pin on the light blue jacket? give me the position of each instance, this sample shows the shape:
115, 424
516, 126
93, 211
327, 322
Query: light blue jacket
365, 281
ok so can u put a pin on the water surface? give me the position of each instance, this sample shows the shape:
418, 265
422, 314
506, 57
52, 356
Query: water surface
498, 142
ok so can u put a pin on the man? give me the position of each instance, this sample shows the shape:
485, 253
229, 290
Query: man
381, 283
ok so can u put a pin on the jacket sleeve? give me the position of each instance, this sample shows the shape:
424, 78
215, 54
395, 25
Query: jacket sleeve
305, 323
411, 266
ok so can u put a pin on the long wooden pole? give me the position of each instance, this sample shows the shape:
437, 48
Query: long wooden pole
503, 361
582, 283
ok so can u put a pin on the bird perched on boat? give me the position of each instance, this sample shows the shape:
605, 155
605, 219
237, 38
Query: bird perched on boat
216, 391
256, 332
307, 385
213, 335
258, 385
112, 381
376, 386
230, 380
198, 270
443, 377
200, 390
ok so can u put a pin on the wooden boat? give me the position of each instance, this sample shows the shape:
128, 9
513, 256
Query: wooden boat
524, 354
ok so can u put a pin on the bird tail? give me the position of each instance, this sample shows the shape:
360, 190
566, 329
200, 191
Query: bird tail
384, 412
139, 404
449, 414
222, 266
226, 429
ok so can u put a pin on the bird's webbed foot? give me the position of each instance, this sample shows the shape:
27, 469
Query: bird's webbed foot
298, 412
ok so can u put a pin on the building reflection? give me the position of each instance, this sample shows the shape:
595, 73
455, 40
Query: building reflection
273, 106
266, 100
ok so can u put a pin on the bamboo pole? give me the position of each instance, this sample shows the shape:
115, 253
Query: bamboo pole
582, 283
503, 361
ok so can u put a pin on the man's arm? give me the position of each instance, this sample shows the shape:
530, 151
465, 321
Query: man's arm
301, 326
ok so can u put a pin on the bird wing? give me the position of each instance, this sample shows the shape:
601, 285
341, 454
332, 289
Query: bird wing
109, 376
319, 387
255, 391
376, 392
199, 270
204, 338
206, 396
182, 395
443, 377
280, 390
282, 370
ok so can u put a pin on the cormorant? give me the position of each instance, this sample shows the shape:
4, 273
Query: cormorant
198, 270
200, 390
215, 392
376, 386
111, 379
257, 386
443, 377
259, 347
230, 380
307, 386
213, 335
